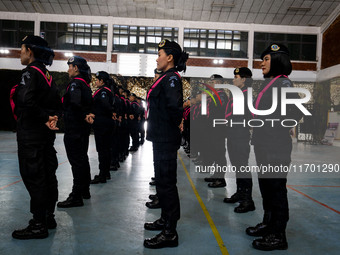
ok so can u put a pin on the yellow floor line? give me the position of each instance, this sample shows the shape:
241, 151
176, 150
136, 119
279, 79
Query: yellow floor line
206, 213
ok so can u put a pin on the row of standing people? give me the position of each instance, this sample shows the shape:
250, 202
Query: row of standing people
272, 144
37, 107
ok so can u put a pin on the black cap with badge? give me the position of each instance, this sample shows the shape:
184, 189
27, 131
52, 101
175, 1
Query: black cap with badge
243, 72
101, 75
77, 61
275, 48
82, 65
42, 52
173, 48
166, 44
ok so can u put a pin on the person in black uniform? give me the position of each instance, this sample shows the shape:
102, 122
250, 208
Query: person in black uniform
238, 138
133, 121
165, 111
77, 103
194, 120
124, 134
103, 125
216, 137
273, 147
186, 125
141, 121
154, 203
126, 142
37, 107
117, 108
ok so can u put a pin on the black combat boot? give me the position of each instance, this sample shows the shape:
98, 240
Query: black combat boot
271, 242
154, 204
71, 201
156, 225
35, 230
153, 197
164, 239
246, 202
98, 179
245, 206
233, 199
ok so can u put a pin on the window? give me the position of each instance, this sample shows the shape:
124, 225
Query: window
13, 31
215, 43
75, 36
136, 39
301, 47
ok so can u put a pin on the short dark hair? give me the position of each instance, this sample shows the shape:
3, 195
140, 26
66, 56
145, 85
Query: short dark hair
279, 64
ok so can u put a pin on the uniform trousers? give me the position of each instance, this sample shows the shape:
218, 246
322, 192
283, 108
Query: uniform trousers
76, 145
38, 164
273, 186
133, 130
141, 130
238, 151
115, 142
103, 139
165, 165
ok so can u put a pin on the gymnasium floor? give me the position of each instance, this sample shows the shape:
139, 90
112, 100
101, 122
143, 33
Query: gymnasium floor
111, 222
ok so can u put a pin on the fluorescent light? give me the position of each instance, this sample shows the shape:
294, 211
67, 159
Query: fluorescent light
220, 61
4, 51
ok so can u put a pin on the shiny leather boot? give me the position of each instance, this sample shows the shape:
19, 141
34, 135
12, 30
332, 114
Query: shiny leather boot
245, 206
153, 204
153, 197
35, 230
98, 179
271, 242
164, 239
233, 199
260, 229
156, 225
71, 201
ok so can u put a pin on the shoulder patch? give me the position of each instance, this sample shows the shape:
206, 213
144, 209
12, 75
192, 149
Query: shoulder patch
103, 94
73, 86
26, 75
172, 80
174, 77
286, 83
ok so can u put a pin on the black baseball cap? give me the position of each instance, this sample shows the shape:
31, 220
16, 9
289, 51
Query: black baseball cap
243, 72
34, 41
102, 75
275, 48
166, 44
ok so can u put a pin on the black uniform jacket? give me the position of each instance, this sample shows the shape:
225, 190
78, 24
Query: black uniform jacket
134, 110
165, 108
102, 107
36, 98
236, 130
278, 135
77, 103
